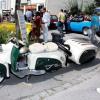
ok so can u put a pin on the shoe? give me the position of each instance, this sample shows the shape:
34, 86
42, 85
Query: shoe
98, 90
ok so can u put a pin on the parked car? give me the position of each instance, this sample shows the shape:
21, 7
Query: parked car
79, 25
53, 22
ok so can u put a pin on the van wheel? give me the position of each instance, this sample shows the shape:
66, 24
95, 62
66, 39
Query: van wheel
85, 31
98, 34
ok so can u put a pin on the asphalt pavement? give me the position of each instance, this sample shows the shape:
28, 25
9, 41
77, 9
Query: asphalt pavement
87, 90
75, 82
84, 91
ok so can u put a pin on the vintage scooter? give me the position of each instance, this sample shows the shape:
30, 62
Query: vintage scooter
36, 60
82, 50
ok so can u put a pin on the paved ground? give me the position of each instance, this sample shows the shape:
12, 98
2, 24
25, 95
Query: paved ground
45, 86
83, 91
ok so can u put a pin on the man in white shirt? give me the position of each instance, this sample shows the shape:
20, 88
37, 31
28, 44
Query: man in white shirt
45, 24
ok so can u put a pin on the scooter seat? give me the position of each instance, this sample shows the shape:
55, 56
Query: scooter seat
50, 46
37, 48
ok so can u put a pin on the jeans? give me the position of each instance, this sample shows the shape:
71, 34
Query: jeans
45, 32
91, 35
60, 27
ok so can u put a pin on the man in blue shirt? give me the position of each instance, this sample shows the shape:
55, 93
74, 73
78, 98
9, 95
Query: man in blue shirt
28, 15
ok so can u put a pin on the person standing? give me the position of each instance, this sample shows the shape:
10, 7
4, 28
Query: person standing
37, 22
61, 20
0, 19
45, 24
65, 23
28, 15
36, 26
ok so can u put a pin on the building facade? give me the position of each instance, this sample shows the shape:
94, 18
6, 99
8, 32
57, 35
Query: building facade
10, 5
39, 3
7, 5
54, 6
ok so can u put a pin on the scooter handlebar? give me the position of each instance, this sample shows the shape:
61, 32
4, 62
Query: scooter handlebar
63, 47
17, 42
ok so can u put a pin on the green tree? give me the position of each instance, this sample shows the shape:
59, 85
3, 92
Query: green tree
73, 7
89, 9
5, 35
97, 2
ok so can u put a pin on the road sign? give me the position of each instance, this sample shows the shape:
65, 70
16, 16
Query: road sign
22, 25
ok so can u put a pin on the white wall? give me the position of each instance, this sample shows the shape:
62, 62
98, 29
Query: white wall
13, 6
37, 1
54, 6
23, 1
5, 5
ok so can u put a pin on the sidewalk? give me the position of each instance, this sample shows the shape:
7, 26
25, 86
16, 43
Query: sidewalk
83, 91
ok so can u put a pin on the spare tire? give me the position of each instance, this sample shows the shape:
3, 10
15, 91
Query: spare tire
98, 34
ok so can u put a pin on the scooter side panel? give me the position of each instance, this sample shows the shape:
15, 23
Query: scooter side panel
59, 55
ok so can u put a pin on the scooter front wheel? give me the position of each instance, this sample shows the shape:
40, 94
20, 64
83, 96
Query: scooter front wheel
2, 75
2, 72
1, 79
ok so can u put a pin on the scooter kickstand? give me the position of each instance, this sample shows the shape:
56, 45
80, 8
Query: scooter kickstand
27, 78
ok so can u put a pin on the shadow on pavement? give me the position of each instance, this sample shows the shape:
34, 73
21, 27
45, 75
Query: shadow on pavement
35, 79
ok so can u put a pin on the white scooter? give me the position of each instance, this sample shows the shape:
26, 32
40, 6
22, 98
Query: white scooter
36, 60
82, 50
